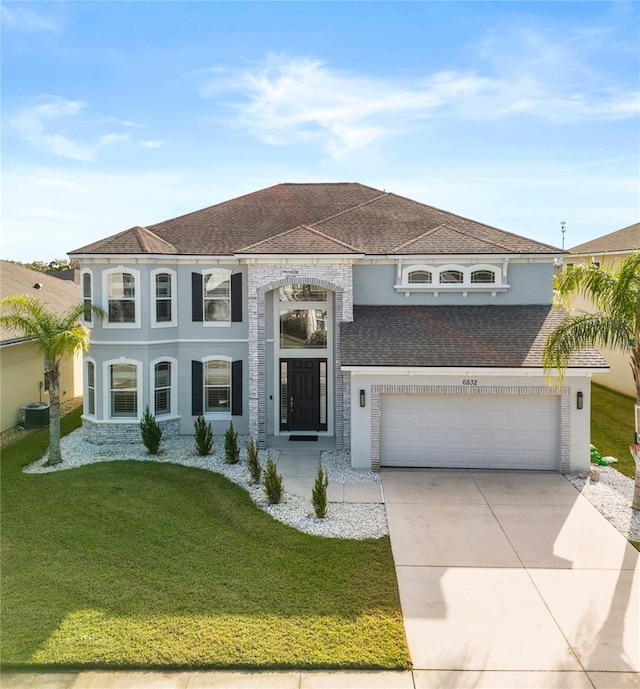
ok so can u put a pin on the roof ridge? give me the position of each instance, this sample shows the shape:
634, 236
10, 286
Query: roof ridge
333, 239
293, 229
358, 205
488, 241
415, 239
477, 222
143, 234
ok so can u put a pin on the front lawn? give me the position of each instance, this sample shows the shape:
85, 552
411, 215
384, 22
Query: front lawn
136, 564
612, 426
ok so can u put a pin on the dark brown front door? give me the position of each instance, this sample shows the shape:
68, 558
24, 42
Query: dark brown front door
303, 396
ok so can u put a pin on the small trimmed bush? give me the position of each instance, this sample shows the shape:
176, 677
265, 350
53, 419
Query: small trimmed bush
231, 449
204, 436
151, 432
253, 461
319, 493
273, 486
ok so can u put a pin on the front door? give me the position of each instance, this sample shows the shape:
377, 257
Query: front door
303, 381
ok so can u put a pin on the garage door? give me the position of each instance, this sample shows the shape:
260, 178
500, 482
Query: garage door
489, 432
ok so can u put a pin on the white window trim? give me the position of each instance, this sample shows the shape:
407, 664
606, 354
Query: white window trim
106, 392
173, 411
466, 286
220, 415
90, 360
89, 272
215, 324
153, 298
105, 297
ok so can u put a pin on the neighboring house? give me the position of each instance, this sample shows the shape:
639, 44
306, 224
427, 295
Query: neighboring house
21, 364
71, 274
609, 250
410, 335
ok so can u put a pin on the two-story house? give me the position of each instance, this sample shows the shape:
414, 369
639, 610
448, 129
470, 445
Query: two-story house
410, 335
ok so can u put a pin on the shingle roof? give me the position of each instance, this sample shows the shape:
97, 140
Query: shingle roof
466, 336
626, 239
346, 217
136, 240
56, 294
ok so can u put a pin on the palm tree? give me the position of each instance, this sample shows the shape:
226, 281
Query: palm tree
616, 323
57, 336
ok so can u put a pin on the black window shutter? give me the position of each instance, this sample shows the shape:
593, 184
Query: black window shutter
196, 297
236, 298
197, 390
236, 388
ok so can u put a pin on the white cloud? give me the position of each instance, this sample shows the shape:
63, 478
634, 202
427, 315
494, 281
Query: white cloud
153, 143
28, 21
36, 124
302, 100
57, 183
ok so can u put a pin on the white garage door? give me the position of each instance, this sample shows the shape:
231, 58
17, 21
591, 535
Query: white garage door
488, 432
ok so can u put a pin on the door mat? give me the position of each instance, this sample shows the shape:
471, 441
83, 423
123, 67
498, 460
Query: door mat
300, 438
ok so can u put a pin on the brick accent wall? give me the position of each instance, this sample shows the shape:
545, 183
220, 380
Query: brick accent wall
263, 278
124, 433
378, 390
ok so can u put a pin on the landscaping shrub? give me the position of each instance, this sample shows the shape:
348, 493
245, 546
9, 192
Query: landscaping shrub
204, 436
273, 487
319, 493
231, 450
253, 461
151, 432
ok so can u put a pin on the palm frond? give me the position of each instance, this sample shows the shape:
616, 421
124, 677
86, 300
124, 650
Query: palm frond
579, 332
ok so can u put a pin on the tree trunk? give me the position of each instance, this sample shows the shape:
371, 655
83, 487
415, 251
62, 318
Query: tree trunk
53, 373
635, 366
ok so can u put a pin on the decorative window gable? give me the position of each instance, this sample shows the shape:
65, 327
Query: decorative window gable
452, 277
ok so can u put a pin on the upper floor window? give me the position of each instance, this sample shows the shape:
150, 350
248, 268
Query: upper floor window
483, 277
163, 294
302, 292
453, 278
87, 296
121, 290
122, 298
217, 295
304, 316
420, 277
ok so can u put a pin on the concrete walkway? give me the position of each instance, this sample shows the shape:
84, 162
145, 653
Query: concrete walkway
511, 579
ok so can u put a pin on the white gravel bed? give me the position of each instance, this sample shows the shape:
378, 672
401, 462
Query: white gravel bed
611, 496
344, 520
338, 467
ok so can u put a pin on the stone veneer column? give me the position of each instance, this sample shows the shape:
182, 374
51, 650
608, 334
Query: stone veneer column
264, 277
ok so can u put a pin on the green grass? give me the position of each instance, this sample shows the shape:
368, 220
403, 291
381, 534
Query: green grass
612, 426
138, 564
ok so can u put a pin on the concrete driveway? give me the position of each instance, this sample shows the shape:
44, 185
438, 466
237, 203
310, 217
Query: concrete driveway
511, 579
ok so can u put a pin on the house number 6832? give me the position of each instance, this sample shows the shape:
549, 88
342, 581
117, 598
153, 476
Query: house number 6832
469, 381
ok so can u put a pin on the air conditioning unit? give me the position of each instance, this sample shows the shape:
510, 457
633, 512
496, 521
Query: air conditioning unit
34, 415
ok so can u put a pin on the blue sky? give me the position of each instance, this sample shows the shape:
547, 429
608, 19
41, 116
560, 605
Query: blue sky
517, 114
